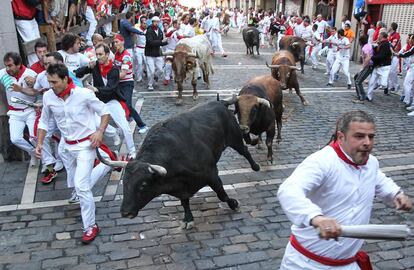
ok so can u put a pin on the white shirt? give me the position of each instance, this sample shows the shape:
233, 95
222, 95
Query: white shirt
41, 81
334, 40
75, 116
370, 34
173, 40
307, 33
7, 81
141, 40
323, 184
316, 38
342, 52
321, 26
187, 30
74, 61
298, 29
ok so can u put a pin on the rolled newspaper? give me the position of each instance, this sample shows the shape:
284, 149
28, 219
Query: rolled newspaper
24, 102
377, 232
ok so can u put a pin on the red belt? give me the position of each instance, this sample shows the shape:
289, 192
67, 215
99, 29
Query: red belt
78, 141
361, 258
142, 47
11, 108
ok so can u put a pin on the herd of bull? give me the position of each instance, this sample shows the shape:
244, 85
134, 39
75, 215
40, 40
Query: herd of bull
179, 155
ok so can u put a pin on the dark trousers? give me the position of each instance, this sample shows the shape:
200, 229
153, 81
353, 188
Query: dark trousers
359, 80
126, 89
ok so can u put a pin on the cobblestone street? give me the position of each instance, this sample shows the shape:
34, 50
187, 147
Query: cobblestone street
39, 230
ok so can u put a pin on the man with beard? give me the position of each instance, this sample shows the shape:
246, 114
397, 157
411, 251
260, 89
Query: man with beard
335, 186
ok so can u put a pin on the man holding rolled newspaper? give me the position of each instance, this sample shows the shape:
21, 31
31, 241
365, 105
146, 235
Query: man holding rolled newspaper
336, 186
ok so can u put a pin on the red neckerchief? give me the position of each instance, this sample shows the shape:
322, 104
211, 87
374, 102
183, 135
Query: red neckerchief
22, 69
341, 154
104, 69
65, 92
154, 27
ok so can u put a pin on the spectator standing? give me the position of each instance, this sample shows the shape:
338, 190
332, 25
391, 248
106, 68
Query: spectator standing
366, 53
26, 25
140, 49
40, 51
154, 41
381, 66
214, 34
348, 32
90, 17
331, 43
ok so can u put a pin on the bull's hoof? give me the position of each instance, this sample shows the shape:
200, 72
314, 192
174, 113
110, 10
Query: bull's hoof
195, 97
256, 167
179, 102
305, 103
270, 161
278, 140
187, 225
233, 204
208, 85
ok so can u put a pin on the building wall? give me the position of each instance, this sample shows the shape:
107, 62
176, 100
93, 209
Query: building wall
292, 6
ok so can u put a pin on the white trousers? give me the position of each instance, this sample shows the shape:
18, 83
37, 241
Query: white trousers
408, 85
47, 157
340, 62
141, 61
379, 77
28, 29
90, 17
168, 69
110, 131
18, 120
330, 60
314, 54
79, 165
118, 115
154, 67
393, 75
293, 260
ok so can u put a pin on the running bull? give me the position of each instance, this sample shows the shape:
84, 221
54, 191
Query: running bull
296, 46
189, 55
283, 69
258, 105
251, 38
179, 157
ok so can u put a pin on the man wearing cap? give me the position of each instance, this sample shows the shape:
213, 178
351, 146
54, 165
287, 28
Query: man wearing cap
154, 40
332, 187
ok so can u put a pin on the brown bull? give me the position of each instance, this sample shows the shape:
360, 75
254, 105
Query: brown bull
258, 106
183, 63
284, 70
296, 46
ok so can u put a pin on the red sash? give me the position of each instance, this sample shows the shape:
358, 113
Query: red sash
78, 141
361, 258
11, 108
126, 109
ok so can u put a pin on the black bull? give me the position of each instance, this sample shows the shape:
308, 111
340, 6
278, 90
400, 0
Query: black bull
251, 38
179, 157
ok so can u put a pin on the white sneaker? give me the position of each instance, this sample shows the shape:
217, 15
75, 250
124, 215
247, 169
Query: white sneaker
410, 114
326, 73
33, 161
117, 139
150, 87
143, 130
73, 197
411, 108
58, 166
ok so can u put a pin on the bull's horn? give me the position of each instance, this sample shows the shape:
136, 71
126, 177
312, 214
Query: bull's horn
111, 163
295, 67
231, 100
294, 44
157, 169
264, 102
168, 53
272, 66
192, 54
